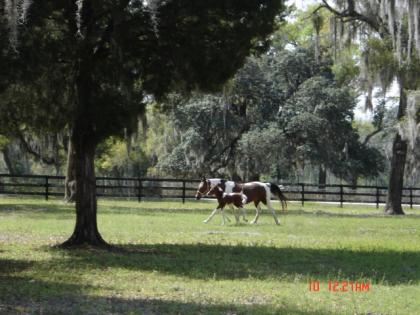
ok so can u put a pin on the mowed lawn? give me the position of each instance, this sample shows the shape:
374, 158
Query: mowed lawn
169, 262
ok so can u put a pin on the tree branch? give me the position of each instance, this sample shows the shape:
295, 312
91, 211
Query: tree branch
350, 12
38, 156
229, 148
373, 133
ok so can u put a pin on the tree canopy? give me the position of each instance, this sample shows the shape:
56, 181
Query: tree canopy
95, 62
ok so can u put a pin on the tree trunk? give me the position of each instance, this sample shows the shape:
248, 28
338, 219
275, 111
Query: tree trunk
84, 140
322, 177
55, 147
70, 181
86, 229
399, 153
353, 181
396, 179
8, 161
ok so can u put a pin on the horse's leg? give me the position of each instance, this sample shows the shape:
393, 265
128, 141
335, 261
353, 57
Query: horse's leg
226, 216
243, 214
269, 206
211, 216
223, 216
257, 214
234, 213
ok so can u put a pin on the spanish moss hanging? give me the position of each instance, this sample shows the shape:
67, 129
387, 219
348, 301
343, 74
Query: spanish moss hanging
15, 12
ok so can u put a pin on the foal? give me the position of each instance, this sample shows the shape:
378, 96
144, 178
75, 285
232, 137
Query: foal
232, 199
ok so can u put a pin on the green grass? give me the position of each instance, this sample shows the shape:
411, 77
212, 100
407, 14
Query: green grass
172, 263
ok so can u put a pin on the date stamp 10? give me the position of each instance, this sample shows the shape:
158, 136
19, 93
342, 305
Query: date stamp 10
339, 286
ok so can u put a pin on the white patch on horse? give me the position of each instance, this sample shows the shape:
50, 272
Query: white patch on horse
244, 199
229, 186
267, 190
214, 181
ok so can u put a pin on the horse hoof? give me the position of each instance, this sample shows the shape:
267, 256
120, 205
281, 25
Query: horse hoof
205, 221
253, 222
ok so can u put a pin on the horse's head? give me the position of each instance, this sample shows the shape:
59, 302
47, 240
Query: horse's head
203, 188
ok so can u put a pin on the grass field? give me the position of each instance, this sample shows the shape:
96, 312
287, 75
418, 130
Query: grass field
172, 263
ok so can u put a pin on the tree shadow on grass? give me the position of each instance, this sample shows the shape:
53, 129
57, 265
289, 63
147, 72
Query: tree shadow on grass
202, 261
8, 266
33, 210
66, 211
28, 296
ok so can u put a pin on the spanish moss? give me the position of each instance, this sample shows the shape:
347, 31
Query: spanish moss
410, 127
15, 14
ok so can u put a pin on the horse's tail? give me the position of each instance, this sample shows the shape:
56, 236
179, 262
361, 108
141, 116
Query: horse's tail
275, 190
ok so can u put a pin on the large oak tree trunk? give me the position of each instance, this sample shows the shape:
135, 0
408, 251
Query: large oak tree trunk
84, 141
399, 153
86, 229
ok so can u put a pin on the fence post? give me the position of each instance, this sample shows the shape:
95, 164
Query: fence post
46, 187
303, 194
377, 197
341, 196
411, 197
139, 185
183, 191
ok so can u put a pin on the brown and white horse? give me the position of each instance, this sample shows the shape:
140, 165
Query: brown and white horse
227, 186
256, 192
232, 199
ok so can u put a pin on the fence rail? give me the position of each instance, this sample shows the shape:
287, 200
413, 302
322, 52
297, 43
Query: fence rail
139, 188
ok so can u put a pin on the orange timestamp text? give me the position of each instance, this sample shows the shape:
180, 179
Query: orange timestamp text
340, 286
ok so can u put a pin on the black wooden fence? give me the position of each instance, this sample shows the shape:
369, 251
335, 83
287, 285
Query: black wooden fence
138, 188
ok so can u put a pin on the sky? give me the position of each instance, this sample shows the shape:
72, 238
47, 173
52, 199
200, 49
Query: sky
301, 4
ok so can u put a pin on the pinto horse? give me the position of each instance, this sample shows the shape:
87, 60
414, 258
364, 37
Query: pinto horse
232, 199
227, 186
256, 192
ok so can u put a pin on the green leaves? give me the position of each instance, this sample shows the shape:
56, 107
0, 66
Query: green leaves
127, 50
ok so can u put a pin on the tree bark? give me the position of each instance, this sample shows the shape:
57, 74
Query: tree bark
86, 229
84, 140
396, 179
322, 177
399, 153
353, 181
70, 181
8, 161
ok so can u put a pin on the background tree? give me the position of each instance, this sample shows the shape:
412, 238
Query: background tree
396, 23
280, 112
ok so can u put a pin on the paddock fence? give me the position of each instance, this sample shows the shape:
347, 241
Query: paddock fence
48, 186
